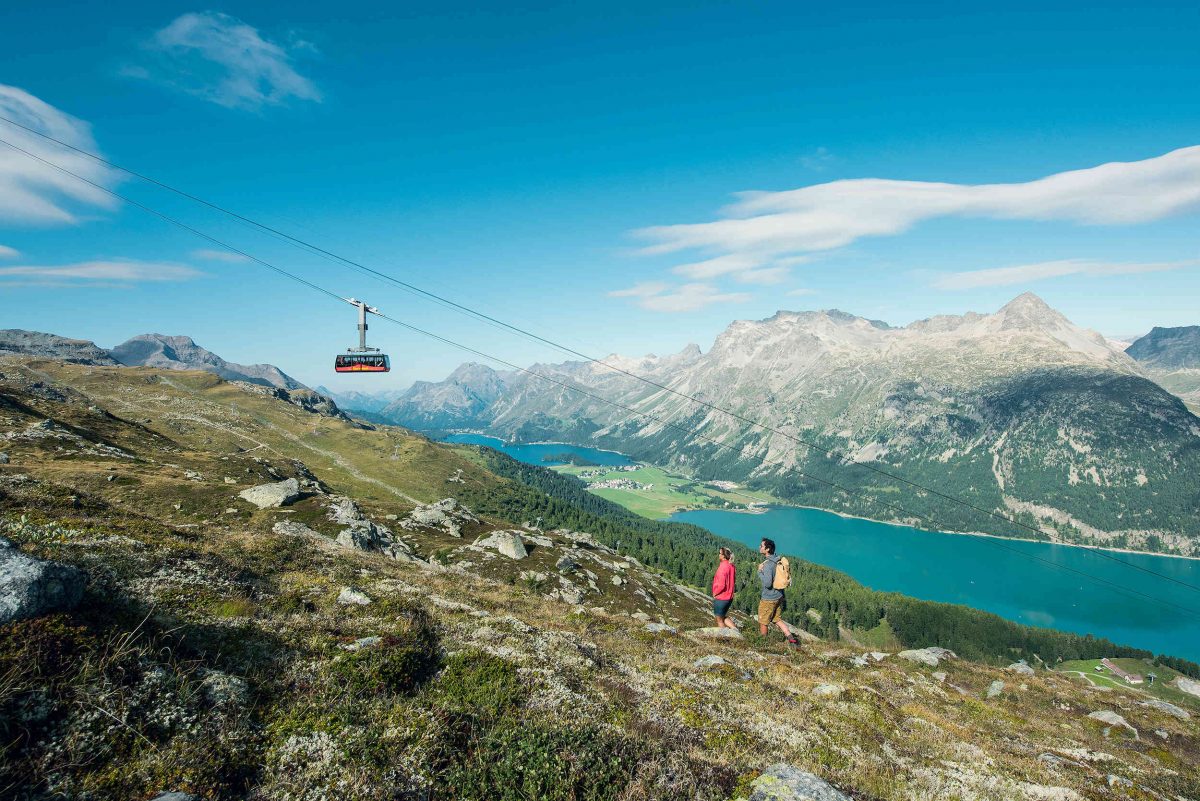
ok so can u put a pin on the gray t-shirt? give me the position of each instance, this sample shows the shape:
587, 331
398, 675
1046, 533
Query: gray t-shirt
766, 576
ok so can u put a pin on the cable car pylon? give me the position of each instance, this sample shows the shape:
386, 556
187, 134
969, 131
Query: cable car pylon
362, 359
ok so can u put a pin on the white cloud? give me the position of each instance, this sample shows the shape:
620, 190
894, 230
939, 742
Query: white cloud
1027, 273
226, 61
766, 275
8, 253
114, 271
657, 296
35, 193
818, 160
219, 255
762, 225
640, 290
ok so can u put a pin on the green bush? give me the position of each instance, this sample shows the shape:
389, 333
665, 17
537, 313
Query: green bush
528, 761
478, 683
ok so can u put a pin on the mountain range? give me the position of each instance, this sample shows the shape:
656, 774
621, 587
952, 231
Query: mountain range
1020, 413
145, 350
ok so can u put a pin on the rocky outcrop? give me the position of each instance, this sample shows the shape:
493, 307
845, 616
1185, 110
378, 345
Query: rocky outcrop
30, 587
350, 596
1170, 709
782, 782
1189, 686
272, 496
365, 534
927, 656
447, 514
1021, 668
508, 543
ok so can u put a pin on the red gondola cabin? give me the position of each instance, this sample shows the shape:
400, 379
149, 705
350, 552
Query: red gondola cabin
362, 363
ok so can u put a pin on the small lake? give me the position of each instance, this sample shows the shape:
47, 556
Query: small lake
535, 453
975, 572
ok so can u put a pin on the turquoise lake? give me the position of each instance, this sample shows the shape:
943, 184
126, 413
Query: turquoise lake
536, 453
974, 571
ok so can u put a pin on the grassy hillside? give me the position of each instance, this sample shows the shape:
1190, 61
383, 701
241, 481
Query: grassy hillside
212, 653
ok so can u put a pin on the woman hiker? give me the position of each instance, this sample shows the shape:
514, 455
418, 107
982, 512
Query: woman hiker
722, 588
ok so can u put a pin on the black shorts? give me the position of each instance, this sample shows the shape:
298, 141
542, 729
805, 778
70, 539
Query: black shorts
721, 608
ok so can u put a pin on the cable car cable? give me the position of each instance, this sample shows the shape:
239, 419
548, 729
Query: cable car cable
691, 432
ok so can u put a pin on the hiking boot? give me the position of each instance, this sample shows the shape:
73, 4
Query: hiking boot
793, 641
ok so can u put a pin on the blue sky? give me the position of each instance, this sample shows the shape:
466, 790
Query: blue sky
580, 169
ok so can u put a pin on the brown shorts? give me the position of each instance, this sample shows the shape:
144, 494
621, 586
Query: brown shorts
769, 612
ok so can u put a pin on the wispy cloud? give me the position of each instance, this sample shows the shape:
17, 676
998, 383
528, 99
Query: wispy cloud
219, 255
818, 160
32, 192
1027, 273
224, 60
116, 271
658, 296
765, 225
801, 292
8, 253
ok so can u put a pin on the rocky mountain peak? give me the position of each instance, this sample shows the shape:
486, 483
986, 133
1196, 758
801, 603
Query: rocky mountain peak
1026, 311
52, 346
182, 353
1169, 348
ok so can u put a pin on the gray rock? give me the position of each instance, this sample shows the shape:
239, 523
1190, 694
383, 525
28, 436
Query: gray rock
30, 587
660, 628
1021, 668
566, 565
782, 782
642, 616
507, 543
922, 656
1170, 709
712, 632
828, 690
1189, 686
3, 458
291, 528
1112, 719
617, 581
175, 797
352, 597
939, 675
272, 496
447, 514
995, 688
709, 662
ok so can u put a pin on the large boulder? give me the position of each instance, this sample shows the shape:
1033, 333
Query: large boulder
782, 782
30, 587
447, 514
1170, 709
1021, 668
1111, 719
272, 496
922, 656
712, 632
508, 543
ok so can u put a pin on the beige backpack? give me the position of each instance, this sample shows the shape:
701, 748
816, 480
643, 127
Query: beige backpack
783, 574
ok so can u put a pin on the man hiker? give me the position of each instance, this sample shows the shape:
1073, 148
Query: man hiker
770, 605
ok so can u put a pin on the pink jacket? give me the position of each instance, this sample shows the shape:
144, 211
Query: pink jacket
723, 581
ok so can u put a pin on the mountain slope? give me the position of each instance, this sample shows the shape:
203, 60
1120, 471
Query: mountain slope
182, 353
1018, 412
457, 402
51, 346
237, 652
1171, 356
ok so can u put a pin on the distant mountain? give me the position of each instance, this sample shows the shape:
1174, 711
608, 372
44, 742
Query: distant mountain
463, 400
52, 346
1019, 411
1171, 356
369, 402
182, 353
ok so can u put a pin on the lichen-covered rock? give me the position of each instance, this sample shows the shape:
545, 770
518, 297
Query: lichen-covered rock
782, 782
828, 690
447, 514
290, 528
272, 496
995, 688
175, 797
1170, 709
30, 587
1021, 668
660, 628
712, 632
352, 597
508, 543
1111, 718
709, 662
925, 656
